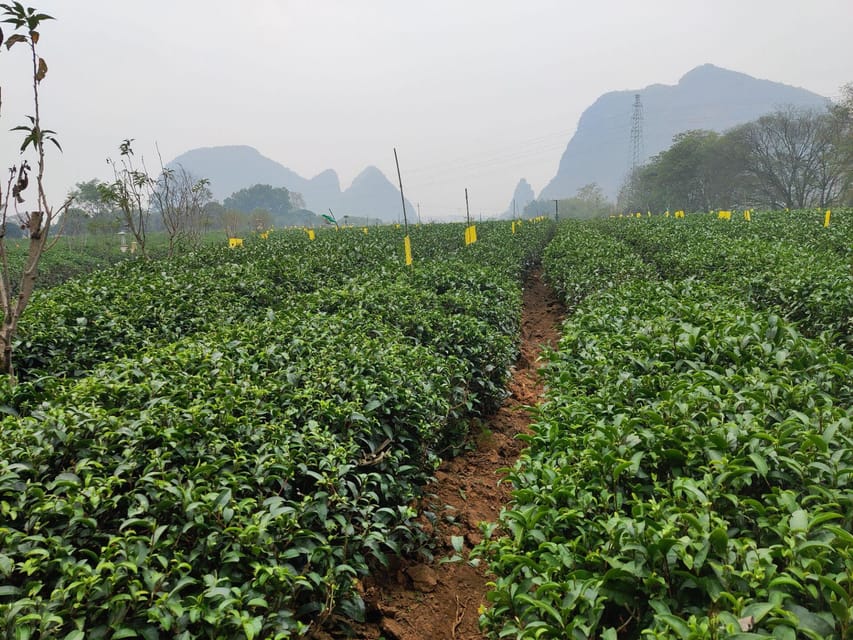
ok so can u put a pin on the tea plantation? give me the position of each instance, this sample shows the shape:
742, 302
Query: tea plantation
221, 445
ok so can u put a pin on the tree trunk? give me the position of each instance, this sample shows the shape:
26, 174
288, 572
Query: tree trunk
38, 236
6, 333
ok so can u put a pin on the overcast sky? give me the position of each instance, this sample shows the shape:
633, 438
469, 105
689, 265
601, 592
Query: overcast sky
473, 93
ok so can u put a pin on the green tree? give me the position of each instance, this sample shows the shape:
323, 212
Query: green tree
699, 171
87, 196
588, 202
681, 178
276, 200
212, 215
75, 223
90, 213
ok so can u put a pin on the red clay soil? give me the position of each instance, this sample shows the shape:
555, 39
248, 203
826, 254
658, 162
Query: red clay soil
435, 601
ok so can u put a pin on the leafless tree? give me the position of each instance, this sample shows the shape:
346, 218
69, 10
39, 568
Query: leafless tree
233, 221
261, 219
841, 132
791, 157
834, 164
181, 199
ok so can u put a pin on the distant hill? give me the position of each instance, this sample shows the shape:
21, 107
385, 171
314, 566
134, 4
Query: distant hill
231, 168
707, 97
522, 195
372, 195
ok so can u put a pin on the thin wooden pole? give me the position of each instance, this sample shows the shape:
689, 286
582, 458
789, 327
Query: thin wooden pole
467, 211
402, 197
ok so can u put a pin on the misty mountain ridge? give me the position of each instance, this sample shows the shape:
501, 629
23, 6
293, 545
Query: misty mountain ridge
707, 97
234, 167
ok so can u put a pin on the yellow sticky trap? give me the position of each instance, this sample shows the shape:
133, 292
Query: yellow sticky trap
649, 213
666, 213
470, 235
513, 226
311, 235
826, 218
679, 213
747, 216
235, 242
724, 215
407, 246
265, 235
365, 230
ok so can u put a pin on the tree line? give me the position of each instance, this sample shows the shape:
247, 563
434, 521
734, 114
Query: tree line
791, 158
588, 202
177, 203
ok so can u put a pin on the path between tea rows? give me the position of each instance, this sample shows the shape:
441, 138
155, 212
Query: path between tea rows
441, 600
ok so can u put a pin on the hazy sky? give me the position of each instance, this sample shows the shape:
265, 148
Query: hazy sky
473, 93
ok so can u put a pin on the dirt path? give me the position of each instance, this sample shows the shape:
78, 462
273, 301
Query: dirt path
440, 600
